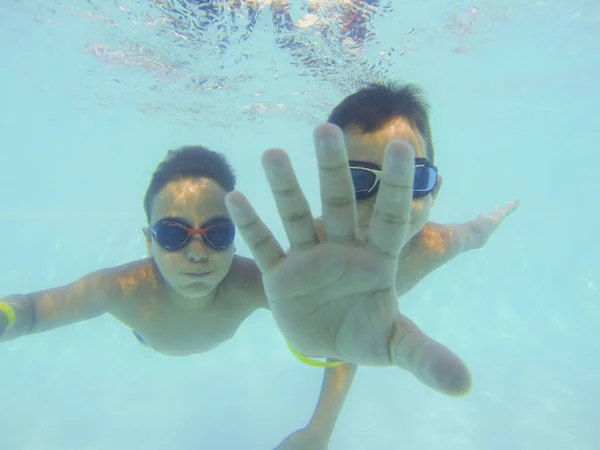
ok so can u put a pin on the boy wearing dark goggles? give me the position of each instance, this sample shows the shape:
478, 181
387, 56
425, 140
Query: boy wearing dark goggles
380, 123
185, 297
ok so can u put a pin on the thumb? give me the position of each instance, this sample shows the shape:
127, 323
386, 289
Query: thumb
429, 361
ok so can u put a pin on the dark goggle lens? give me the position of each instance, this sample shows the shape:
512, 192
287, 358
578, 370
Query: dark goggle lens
363, 181
424, 182
173, 235
170, 235
220, 236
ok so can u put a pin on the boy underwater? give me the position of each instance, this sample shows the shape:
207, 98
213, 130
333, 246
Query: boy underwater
379, 122
193, 292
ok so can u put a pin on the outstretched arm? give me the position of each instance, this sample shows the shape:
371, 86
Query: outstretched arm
436, 244
40, 311
334, 390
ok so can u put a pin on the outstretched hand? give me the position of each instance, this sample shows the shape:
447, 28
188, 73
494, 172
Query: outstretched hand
489, 223
335, 297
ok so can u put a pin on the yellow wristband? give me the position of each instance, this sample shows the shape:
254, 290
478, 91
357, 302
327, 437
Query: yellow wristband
10, 313
312, 362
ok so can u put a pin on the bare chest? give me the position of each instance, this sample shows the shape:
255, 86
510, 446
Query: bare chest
175, 332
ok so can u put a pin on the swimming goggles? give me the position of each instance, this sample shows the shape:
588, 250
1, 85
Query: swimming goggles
366, 177
174, 234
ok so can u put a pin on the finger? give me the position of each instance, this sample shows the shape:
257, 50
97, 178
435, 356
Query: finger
291, 203
390, 223
337, 190
500, 214
428, 360
512, 206
262, 244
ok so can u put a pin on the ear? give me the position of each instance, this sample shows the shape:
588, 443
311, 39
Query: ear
436, 189
148, 238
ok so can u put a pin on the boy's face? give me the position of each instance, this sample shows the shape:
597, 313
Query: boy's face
370, 148
197, 268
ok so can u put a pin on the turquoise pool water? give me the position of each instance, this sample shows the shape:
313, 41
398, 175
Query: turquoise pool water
94, 93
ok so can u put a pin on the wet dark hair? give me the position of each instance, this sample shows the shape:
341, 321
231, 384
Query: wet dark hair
189, 162
372, 107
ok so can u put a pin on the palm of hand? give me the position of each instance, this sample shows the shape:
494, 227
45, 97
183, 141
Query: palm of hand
335, 296
342, 293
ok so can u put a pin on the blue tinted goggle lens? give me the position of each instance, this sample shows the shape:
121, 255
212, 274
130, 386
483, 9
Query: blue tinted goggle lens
174, 235
365, 178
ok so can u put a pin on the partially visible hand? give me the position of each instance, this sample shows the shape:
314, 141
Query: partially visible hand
304, 439
486, 225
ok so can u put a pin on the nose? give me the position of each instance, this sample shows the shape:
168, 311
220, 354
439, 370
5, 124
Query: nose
196, 250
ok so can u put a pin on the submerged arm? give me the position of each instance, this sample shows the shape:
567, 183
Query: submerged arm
44, 310
317, 433
437, 244
334, 390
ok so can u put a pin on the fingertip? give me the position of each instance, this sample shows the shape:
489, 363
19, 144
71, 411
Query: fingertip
327, 135
236, 203
326, 129
274, 156
399, 160
400, 146
463, 387
398, 155
455, 380
233, 196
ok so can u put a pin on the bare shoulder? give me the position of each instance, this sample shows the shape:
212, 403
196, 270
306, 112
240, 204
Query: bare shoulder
244, 280
127, 282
